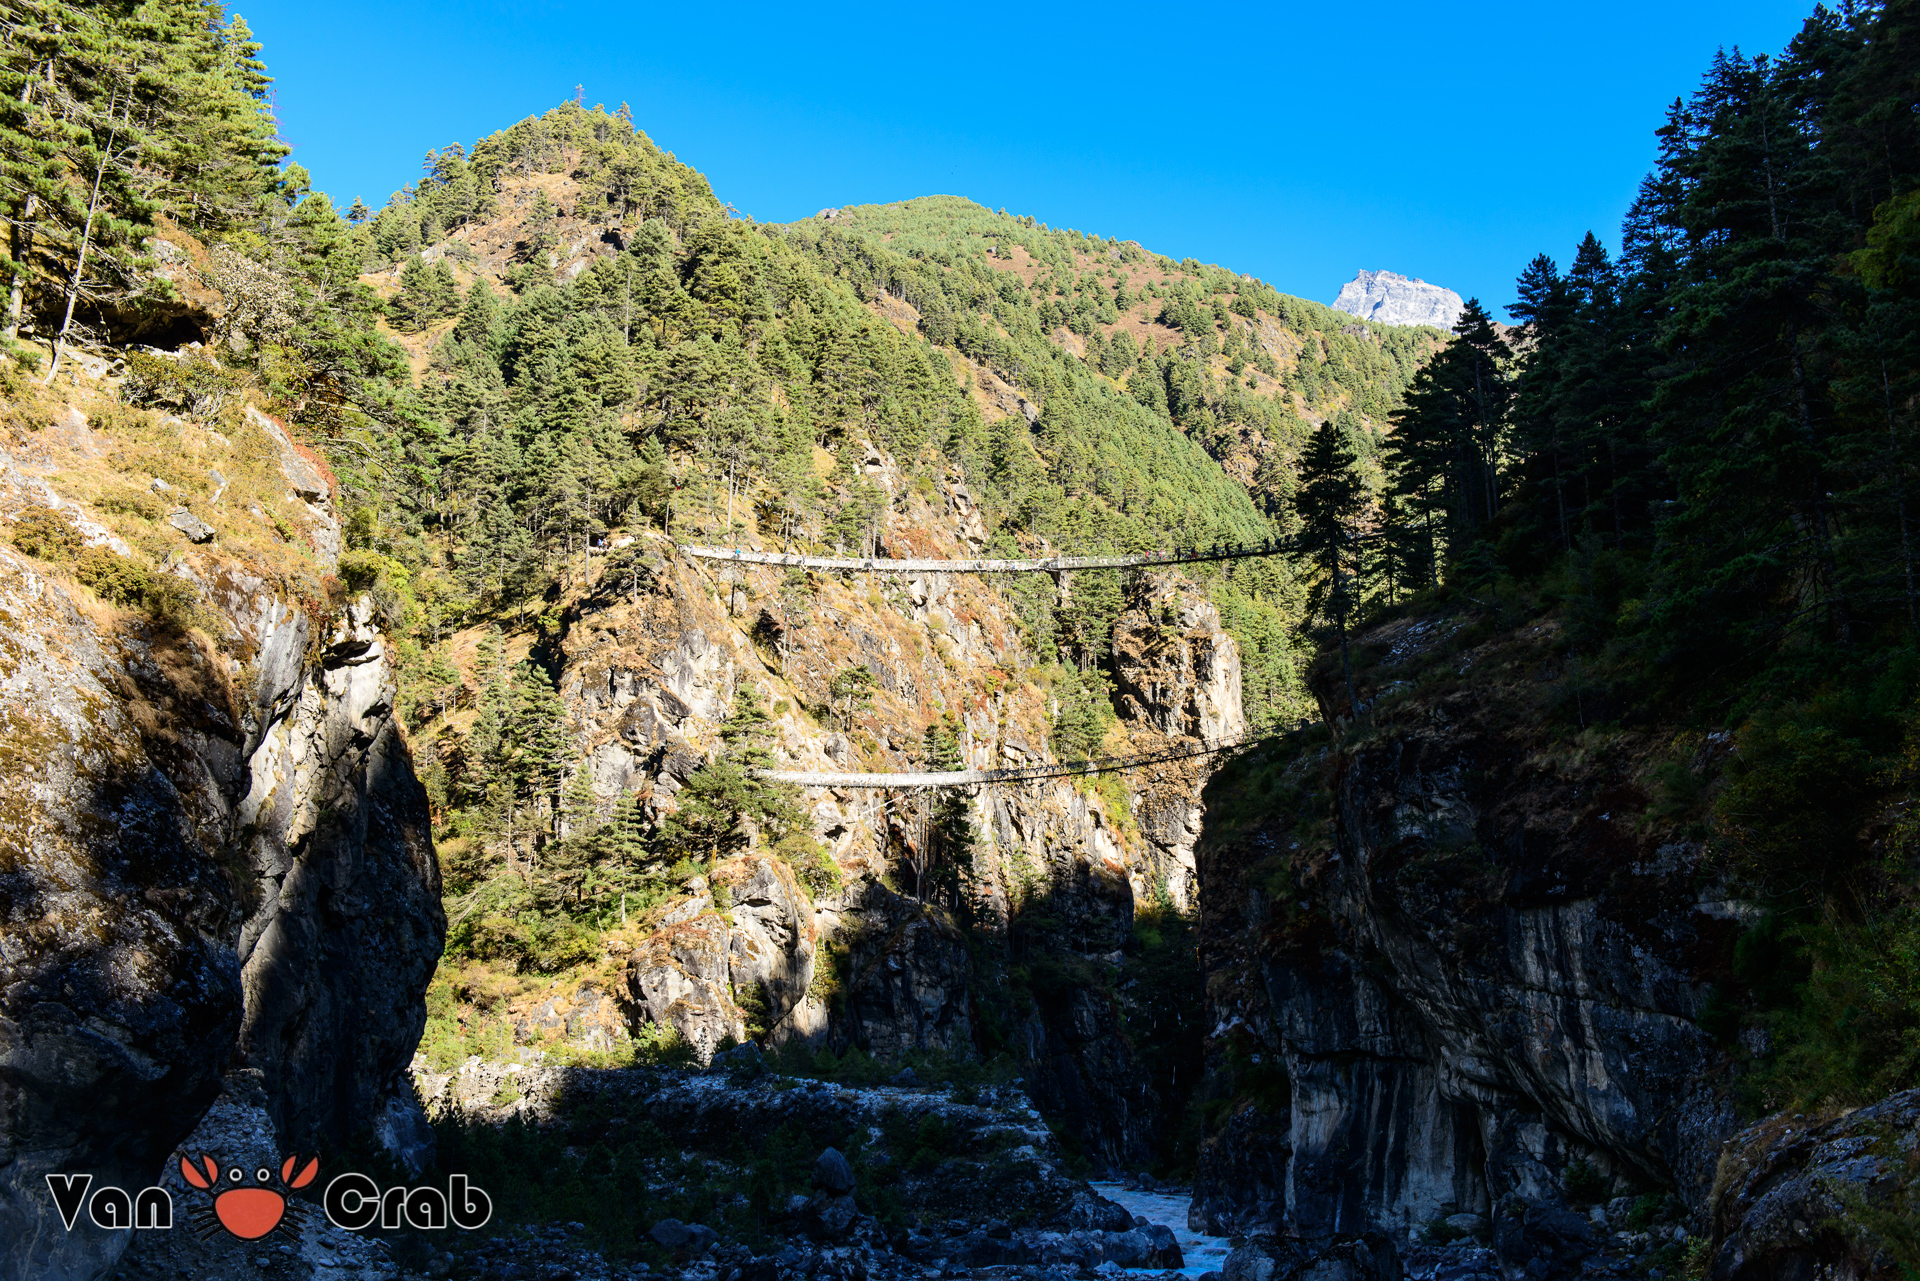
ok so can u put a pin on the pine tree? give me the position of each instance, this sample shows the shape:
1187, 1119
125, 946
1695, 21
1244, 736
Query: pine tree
726, 795
535, 742
1449, 436
1329, 501
851, 692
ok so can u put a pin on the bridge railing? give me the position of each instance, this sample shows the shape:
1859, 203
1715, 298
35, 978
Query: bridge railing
912, 781
925, 565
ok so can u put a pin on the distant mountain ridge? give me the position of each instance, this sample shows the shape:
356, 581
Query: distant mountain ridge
1394, 299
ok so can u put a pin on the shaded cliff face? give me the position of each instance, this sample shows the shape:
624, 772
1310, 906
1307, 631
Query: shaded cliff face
1456, 953
904, 944
215, 852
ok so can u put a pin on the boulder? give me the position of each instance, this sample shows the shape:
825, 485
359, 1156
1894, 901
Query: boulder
832, 1174
829, 1218
1367, 1257
1129, 1249
687, 1239
1092, 1212
1163, 1247
1545, 1238
196, 530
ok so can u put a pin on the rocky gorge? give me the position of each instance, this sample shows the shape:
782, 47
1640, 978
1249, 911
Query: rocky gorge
1455, 982
239, 926
415, 818
1454, 998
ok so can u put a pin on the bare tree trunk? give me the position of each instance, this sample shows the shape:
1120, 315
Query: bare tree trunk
21, 247
1900, 497
21, 240
86, 242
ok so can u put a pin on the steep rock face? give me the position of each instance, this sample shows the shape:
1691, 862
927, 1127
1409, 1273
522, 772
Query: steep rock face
1393, 299
902, 983
215, 853
653, 653
1177, 670
119, 989
1485, 971
348, 926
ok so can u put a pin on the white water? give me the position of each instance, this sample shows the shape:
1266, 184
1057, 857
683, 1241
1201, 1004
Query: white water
1202, 1253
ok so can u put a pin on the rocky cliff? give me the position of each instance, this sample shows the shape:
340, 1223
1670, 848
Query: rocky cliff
1453, 966
215, 854
1393, 299
868, 952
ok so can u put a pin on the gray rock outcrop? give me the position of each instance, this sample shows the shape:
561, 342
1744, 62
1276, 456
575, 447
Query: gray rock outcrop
119, 987
1795, 1192
1487, 975
205, 858
1394, 299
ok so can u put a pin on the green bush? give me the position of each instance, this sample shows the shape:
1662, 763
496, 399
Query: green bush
1584, 1184
134, 502
47, 534
1853, 1033
192, 384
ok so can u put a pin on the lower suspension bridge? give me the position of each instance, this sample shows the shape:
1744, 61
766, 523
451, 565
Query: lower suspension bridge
908, 782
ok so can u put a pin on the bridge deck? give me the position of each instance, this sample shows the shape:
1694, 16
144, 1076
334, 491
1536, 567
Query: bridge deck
1050, 565
1019, 774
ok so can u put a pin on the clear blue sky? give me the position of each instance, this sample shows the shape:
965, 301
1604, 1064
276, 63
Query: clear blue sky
1296, 142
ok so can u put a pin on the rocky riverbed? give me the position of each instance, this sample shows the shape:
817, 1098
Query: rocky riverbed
734, 1173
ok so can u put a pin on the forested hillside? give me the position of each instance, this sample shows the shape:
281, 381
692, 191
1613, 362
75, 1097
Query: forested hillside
1695, 465
1610, 816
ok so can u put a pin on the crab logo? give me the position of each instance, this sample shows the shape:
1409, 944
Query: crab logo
249, 1208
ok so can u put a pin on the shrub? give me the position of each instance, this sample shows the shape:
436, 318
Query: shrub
47, 534
1854, 1033
385, 581
132, 584
191, 384
1584, 1183
133, 502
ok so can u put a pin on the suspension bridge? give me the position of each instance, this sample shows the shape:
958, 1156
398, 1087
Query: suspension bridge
914, 781
1045, 565
1018, 773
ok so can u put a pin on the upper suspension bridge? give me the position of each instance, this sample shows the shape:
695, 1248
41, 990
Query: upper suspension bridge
1044, 565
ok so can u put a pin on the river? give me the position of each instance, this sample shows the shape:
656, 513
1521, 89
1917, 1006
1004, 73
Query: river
1202, 1253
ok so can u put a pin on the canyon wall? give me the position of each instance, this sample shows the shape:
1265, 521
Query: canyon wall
872, 955
214, 856
1485, 973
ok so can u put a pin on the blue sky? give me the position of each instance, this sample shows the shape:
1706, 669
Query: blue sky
1294, 142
